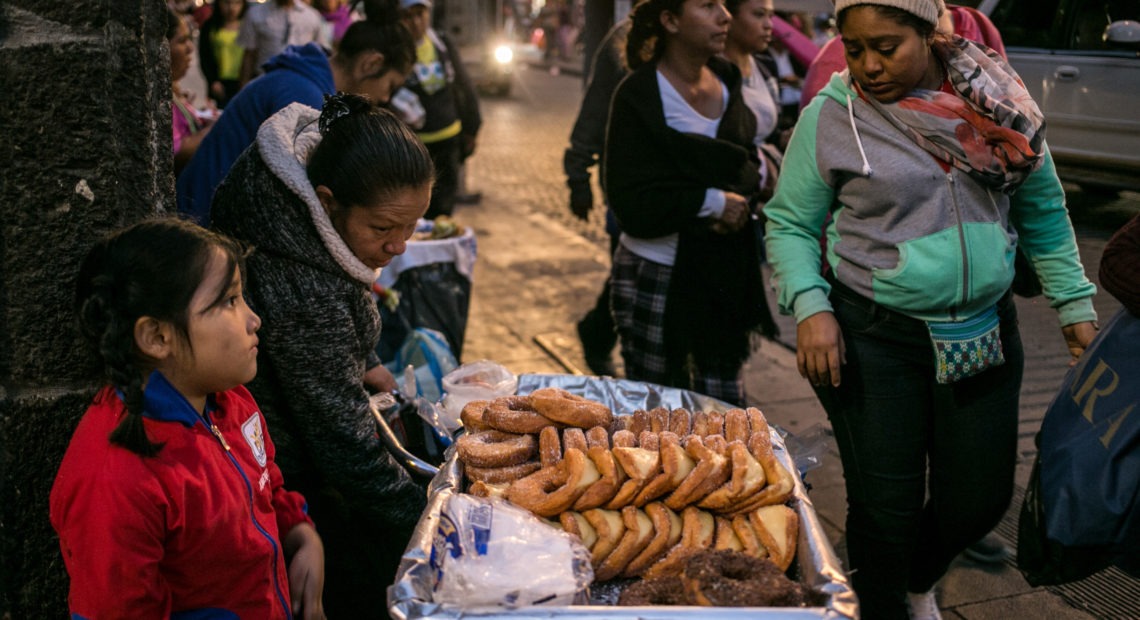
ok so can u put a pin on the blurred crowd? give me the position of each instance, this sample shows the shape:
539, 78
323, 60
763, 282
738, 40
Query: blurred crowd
235, 63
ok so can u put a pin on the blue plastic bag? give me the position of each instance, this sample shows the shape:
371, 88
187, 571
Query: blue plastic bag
1082, 507
427, 351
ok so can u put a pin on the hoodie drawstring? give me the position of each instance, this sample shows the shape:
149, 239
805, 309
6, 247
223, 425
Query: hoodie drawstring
858, 141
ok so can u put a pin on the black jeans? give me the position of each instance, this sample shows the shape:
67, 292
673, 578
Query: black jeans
895, 426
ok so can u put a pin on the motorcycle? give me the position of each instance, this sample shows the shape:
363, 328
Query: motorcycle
498, 69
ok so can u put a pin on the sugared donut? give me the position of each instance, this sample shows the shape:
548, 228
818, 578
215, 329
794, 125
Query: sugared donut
515, 414
666, 534
549, 447
574, 439
715, 423
485, 489
495, 449
663, 591
710, 472
570, 409
736, 427
472, 416
553, 490
501, 475
721, 578
611, 477
598, 437
680, 422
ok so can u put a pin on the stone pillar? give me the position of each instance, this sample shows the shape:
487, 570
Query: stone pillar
84, 149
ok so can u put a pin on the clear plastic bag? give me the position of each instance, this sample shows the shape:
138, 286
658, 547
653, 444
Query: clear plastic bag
479, 380
488, 553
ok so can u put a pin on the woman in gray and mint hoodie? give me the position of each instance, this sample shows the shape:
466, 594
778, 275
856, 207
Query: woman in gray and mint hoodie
930, 157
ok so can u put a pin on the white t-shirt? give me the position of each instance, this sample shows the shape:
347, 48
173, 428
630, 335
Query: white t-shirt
681, 116
268, 28
760, 96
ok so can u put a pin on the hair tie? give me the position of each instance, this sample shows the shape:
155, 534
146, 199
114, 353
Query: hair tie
335, 108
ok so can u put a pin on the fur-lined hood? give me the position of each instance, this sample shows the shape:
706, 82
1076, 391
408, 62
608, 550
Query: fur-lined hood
285, 142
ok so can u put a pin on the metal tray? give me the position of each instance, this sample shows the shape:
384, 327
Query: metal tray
818, 567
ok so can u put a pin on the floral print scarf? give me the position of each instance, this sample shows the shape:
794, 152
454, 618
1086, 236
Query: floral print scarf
990, 128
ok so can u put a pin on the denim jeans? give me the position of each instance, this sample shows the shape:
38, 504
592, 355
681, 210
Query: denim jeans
928, 467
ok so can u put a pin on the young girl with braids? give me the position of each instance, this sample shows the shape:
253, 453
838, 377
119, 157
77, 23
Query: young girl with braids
168, 501
327, 199
681, 174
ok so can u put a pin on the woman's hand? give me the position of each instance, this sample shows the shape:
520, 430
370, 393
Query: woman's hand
820, 349
380, 379
306, 571
735, 214
1077, 338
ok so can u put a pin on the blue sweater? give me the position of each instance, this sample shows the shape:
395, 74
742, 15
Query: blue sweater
300, 74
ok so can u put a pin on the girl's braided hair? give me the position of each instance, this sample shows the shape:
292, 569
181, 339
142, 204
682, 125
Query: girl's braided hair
151, 269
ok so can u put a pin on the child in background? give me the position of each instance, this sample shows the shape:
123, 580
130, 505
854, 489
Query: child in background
168, 499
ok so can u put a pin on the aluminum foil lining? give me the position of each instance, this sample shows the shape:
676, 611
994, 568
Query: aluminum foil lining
818, 566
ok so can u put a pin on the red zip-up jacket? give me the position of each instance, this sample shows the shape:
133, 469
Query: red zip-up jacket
191, 532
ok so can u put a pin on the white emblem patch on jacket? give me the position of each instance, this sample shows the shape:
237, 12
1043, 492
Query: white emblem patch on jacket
254, 436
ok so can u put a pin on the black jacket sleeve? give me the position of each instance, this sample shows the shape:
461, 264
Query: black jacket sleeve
206, 58
655, 176
588, 138
466, 100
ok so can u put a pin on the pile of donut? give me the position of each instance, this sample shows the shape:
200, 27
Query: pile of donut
644, 492
719, 578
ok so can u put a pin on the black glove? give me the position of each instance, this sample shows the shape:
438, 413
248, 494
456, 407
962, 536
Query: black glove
581, 200
466, 146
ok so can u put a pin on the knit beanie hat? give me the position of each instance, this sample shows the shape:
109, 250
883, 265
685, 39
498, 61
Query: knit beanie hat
927, 10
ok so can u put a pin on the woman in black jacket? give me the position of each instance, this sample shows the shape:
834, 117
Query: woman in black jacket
681, 173
320, 231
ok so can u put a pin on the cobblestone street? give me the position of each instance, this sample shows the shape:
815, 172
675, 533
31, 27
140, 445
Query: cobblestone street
539, 269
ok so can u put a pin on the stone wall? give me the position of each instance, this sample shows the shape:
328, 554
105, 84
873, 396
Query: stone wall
84, 149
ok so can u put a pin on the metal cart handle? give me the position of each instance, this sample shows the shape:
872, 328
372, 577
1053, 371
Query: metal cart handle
410, 461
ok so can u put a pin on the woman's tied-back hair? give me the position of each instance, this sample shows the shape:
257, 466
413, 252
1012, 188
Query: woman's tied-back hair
381, 32
366, 153
151, 269
646, 39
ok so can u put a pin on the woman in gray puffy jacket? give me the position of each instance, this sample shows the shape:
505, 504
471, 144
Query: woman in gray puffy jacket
321, 223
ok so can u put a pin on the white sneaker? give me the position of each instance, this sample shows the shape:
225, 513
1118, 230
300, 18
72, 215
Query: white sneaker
922, 606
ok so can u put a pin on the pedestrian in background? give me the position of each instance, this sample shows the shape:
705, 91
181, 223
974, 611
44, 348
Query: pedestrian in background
596, 330
219, 54
1120, 265
189, 124
451, 108
681, 171
269, 27
372, 60
911, 342
748, 37
338, 16
327, 199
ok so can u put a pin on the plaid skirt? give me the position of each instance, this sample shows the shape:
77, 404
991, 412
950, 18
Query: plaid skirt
639, 290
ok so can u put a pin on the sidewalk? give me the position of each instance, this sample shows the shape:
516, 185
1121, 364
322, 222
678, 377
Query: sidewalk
535, 277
